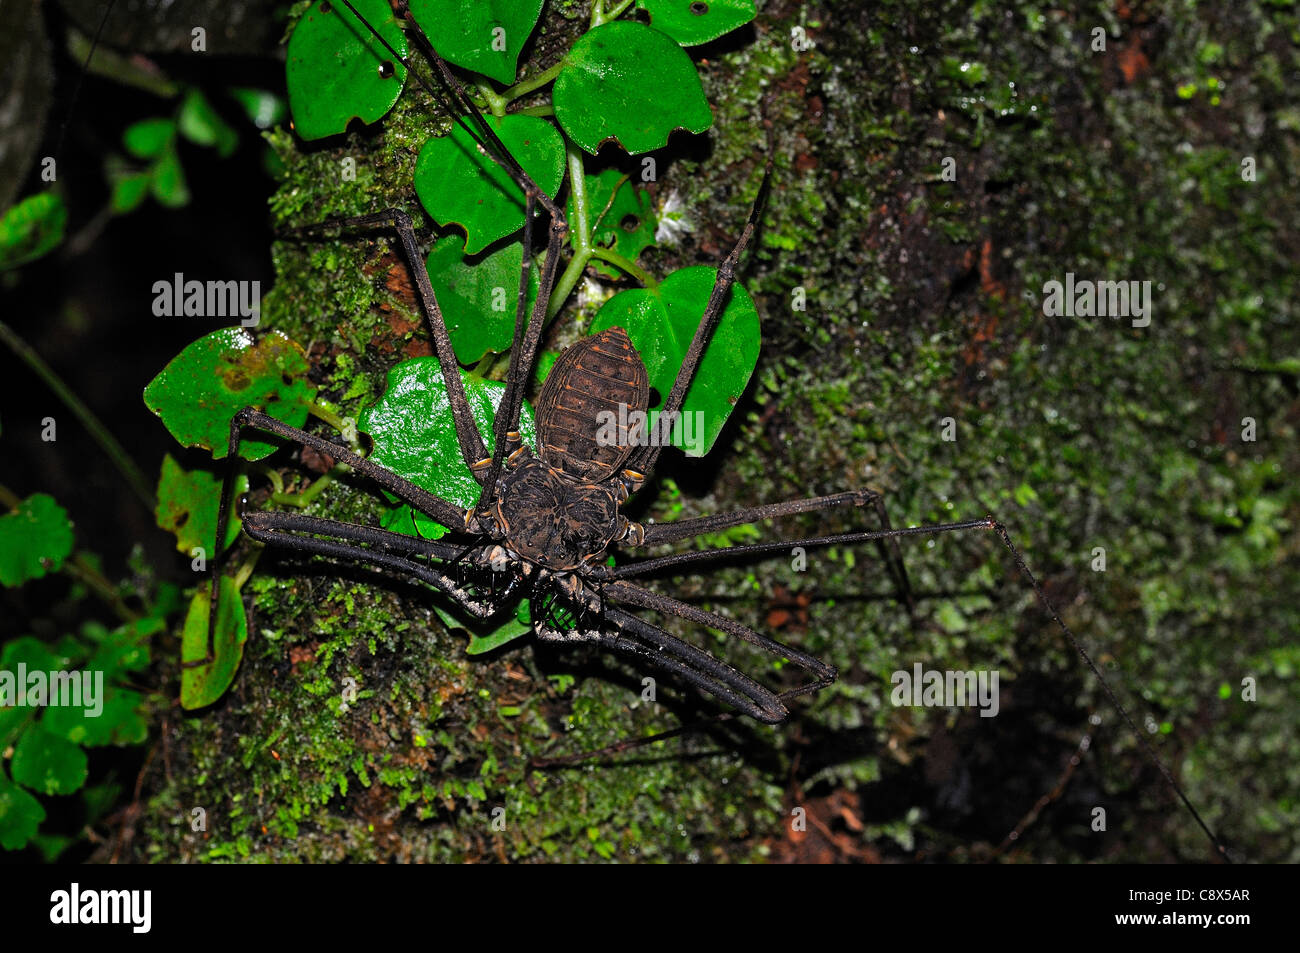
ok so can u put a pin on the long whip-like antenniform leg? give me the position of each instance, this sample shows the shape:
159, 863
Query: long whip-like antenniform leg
685, 529
646, 566
471, 445
521, 357
643, 458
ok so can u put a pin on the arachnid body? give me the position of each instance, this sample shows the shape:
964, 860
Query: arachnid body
547, 522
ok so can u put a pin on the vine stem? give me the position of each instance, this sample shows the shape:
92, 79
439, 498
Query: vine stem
526, 86
581, 233
134, 478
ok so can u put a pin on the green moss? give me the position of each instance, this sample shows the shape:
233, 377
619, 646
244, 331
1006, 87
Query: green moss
923, 303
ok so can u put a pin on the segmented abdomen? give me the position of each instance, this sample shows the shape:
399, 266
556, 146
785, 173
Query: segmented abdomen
599, 375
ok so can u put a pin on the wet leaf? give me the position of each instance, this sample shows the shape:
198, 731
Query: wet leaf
623, 217
187, 506
204, 386
458, 183
34, 539
415, 437
47, 763
485, 36
478, 297
627, 82
337, 71
32, 228
20, 815
691, 22
204, 684
661, 323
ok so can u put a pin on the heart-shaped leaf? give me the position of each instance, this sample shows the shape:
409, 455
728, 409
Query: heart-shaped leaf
478, 297
415, 437
47, 763
32, 228
337, 71
458, 182
20, 815
204, 386
34, 539
204, 684
485, 36
623, 218
188, 503
691, 22
661, 323
627, 82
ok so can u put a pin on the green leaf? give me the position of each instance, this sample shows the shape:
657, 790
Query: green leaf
31, 228
691, 22
119, 721
478, 298
167, 180
415, 437
484, 636
47, 763
204, 386
627, 82
20, 815
204, 684
200, 124
456, 182
34, 539
148, 138
661, 323
187, 506
337, 71
263, 108
126, 648
623, 217
485, 36
129, 191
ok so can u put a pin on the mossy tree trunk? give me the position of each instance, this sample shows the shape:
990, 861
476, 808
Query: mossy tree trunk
936, 167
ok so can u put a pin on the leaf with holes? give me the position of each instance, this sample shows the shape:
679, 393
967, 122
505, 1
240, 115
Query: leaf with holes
623, 218
32, 228
478, 297
661, 323
338, 71
204, 386
204, 684
415, 437
485, 36
691, 22
627, 82
188, 503
458, 183
34, 539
